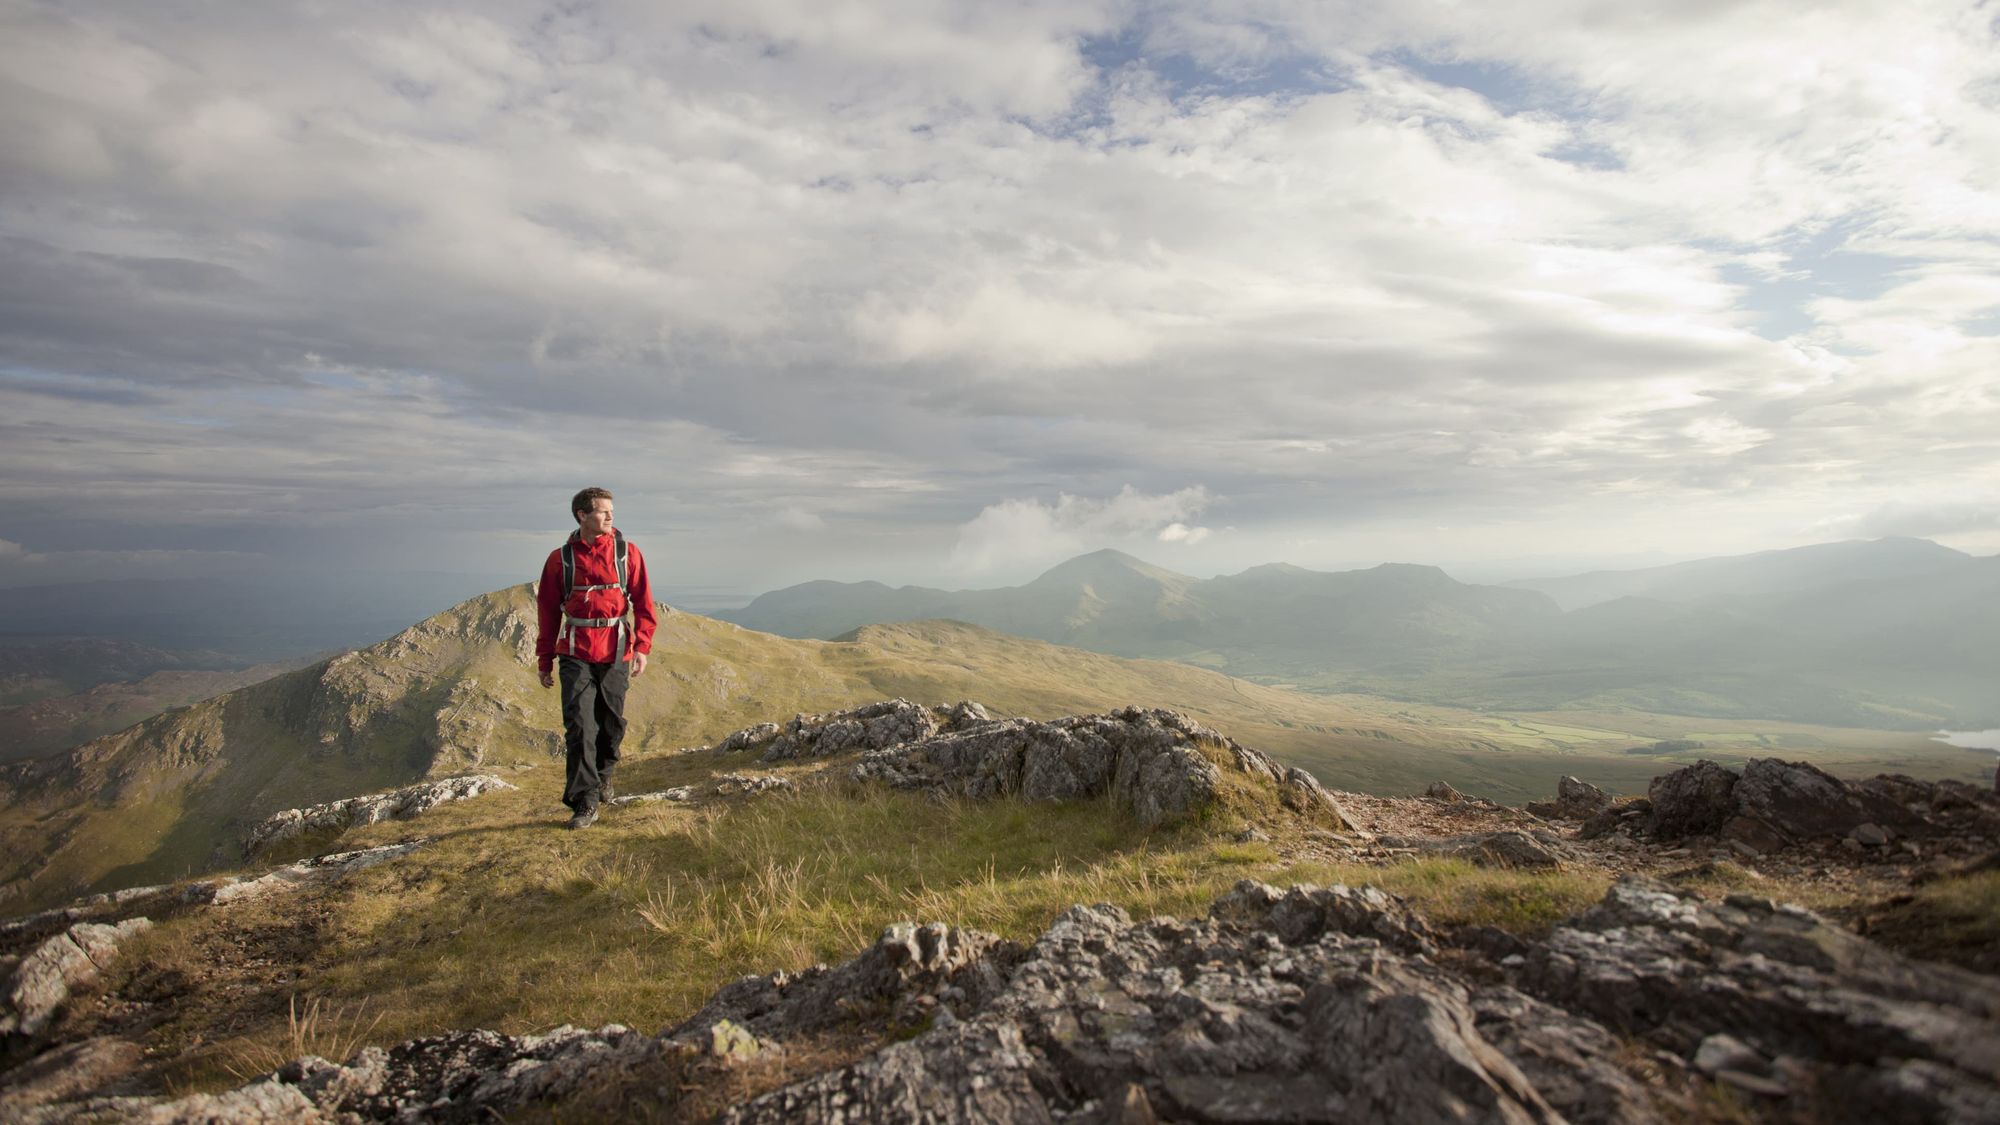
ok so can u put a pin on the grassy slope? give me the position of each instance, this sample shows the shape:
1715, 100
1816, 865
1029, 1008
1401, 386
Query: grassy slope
504, 920
456, 693
507, 921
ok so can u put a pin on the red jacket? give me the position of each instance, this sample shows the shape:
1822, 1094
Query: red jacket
596, 565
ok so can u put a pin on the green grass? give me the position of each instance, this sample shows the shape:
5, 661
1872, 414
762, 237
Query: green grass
507, 921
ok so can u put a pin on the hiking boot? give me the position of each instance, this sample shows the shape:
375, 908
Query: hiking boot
607, 792
584, 818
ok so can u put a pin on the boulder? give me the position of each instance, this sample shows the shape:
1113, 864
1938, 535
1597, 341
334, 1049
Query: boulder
1151, 762
869, 727
1878, 1036
1443, 791
1576, 799
1805, 802
1624, 817
1774, 804
1693, 801
39, 983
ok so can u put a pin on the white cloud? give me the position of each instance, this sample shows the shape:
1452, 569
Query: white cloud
1018, 533
1182, 533
782, 260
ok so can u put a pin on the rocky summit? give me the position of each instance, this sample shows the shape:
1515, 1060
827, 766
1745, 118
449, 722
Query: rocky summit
1326, 1003
1682, 985
1157, 763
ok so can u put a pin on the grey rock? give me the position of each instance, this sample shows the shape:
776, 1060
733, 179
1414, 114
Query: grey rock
1693, 801
1217, 1019
747, 738
870, 727
338, 816
1159, 764
1576, 799
1514, 849
1872, 835
259, 1103
890, 982
1775, 805
1620, 817
68, 1072
42, 980
1804, 801
677, 793
750, 783
1723, 1051
1663, 965
319, 869
1443, 791
1149, 761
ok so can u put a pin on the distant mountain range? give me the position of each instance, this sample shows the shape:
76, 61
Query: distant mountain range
1894, 632
1765, 574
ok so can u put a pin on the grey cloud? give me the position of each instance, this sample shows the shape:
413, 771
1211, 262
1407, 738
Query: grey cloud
892, 272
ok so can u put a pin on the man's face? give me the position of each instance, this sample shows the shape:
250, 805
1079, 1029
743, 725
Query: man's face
597, 521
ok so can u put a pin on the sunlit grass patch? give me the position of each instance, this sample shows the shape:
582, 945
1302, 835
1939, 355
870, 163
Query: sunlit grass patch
1455, 892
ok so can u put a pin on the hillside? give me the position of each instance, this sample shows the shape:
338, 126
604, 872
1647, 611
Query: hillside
173, 794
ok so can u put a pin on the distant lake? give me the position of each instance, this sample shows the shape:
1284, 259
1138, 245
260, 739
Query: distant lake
1970, 739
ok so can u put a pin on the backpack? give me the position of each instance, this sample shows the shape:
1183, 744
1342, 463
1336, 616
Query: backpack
570, 588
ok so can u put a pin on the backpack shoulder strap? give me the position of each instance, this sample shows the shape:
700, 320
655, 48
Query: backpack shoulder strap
621, 564
569, 569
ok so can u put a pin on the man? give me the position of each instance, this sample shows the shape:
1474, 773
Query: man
585, 594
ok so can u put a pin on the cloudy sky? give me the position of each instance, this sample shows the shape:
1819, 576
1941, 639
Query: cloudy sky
946, 292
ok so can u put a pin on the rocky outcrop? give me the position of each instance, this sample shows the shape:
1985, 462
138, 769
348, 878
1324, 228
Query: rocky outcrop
1809, 1011
319, 869
1576, 799
335, 817
876, 726
1159, 764
38, 983
1774, 804
1308, 1004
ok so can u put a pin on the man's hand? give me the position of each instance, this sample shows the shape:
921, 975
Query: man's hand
548, 677
638, 663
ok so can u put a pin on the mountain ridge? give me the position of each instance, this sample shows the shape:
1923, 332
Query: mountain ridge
1813, 646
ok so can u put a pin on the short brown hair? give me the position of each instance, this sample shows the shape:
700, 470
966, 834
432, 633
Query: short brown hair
583, 502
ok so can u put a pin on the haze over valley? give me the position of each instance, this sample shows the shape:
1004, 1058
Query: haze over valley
1895, 633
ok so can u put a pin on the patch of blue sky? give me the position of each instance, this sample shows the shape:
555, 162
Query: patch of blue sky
1183, 77
1507, 88
1817, 264
1512, 90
